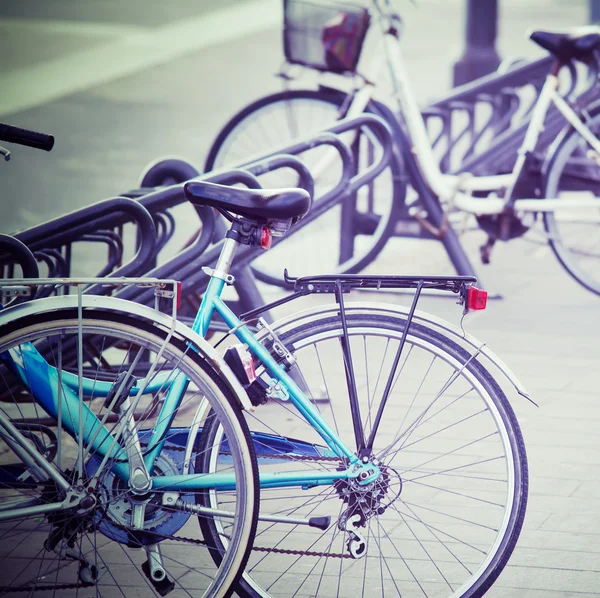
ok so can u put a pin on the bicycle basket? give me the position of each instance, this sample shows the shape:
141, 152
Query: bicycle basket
324, 35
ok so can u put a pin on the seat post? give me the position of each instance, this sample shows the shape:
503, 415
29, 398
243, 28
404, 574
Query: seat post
241, 231
226, 256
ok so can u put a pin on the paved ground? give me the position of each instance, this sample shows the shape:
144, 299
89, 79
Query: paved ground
120, 85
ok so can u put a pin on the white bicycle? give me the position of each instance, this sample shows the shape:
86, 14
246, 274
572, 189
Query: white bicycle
564, 199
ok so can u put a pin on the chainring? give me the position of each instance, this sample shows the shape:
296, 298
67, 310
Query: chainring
115, 501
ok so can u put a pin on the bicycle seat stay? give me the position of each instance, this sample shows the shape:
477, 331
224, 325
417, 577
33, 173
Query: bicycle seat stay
257, 204
570, 44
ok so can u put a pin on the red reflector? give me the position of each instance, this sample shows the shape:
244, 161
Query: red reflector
248, 364
240, 361
265, 237
178, 298
476, 298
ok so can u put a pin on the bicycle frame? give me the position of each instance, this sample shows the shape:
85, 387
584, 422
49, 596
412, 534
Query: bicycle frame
60, 394
456, 190
211, 303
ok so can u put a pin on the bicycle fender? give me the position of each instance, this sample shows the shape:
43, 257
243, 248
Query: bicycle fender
474, 346
113, 304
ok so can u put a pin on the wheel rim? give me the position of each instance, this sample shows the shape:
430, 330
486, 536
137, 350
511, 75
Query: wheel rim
102, 535
396, 564
574, 234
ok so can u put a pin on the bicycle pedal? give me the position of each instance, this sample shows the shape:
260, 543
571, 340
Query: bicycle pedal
164, 586
485, 250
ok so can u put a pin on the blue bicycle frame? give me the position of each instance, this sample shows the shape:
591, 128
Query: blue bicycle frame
45, 381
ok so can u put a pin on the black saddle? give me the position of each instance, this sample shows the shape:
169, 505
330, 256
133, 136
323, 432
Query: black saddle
258, 204
573, 44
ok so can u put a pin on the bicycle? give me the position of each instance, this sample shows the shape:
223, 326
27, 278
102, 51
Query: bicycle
364, 415
433, 409
103, 467
506, 204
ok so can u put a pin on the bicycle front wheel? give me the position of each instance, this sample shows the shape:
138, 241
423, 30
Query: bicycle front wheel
109, 538
348, 236
574, 233
446, 512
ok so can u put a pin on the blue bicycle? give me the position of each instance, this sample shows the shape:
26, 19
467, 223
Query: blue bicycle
389, 459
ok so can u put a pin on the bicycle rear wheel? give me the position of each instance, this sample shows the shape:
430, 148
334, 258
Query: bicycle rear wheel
342, 239
120, 542
574, 233
446, 513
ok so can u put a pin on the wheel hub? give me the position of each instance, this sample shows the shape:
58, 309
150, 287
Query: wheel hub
366, 501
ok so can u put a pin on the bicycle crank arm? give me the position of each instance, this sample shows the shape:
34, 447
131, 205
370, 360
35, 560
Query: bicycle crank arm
170, 500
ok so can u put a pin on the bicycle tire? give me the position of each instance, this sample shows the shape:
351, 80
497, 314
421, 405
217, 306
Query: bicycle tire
441, 511
337, 245
103, 537
574, 236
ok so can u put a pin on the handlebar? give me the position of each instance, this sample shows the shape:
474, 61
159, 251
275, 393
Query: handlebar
12, 134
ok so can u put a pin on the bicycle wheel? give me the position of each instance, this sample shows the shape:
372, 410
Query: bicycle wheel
335, 241
574, 233
446, 513
115, 541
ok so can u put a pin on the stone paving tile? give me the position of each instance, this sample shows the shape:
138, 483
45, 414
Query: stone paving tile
550, 579
590, 487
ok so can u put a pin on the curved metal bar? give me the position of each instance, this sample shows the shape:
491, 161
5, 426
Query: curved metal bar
382, 132
165, 227
20, 253
115, 249
57, 267
467, 129
173, 168
279, 161
573, 83
54, 260
507, 104
102, 215
324, 138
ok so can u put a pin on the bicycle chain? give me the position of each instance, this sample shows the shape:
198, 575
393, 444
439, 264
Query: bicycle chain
335, 555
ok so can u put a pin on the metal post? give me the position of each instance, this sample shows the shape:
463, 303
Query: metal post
480, 56
594, 11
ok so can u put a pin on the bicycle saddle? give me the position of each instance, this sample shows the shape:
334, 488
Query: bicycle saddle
259, 204
572, 44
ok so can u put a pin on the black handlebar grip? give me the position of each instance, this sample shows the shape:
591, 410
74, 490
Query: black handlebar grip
12, 134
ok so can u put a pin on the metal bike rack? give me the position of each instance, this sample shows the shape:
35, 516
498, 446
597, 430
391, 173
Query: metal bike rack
480, 127
185, 265
15, 252
482, 124
53, 241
